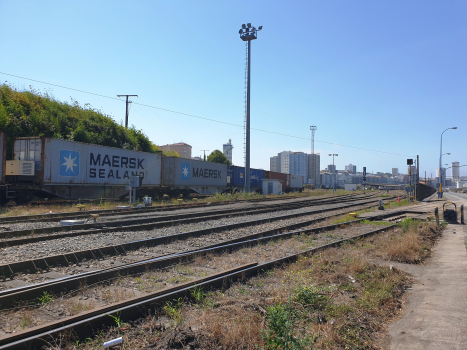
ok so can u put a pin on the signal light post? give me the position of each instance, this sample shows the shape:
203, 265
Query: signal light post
248, 33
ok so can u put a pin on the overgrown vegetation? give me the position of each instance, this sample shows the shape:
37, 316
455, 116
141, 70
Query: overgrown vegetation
32, 113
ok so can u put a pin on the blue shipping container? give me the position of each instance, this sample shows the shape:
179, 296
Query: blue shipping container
237, 176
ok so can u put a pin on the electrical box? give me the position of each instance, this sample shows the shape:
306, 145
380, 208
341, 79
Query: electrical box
19, 167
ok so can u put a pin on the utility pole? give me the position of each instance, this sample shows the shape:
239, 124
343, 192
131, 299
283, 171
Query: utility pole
127, 102
204, 150
248, 33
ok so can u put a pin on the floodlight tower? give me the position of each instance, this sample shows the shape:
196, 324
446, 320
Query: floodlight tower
248, 33
313, 129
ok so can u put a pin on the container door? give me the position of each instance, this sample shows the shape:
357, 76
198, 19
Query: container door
270, 190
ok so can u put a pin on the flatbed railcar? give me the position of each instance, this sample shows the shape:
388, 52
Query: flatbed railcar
54, 168
48, 168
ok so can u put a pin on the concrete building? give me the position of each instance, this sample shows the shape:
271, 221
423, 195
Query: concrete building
273, 164
395, 172
313, 170
227, 150
298, 164
351, 168
295, 163
283, 162
332, 168
455, 171
181, 148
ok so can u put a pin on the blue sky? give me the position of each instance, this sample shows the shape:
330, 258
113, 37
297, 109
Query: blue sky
377, 75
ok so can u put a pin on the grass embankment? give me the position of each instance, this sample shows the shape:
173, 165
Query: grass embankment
338, 299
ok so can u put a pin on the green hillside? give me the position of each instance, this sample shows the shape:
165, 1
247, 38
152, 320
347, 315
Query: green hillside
30, 113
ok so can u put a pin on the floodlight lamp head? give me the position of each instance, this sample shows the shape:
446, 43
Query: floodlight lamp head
260, 27
248, 25
330, 154
336, 155
455, 127
243, 26
240, 31
448, 154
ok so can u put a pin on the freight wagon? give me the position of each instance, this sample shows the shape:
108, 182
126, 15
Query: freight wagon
185, 176
236, 178
294, 183
47, 167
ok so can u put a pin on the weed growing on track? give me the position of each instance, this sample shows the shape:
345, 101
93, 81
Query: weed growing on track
173, 309
198, 294
46, 298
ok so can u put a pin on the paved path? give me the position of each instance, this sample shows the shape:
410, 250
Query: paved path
436, 313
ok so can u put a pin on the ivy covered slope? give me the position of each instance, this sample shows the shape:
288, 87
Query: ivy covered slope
30, 113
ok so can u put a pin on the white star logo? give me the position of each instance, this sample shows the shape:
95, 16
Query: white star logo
69, 163
185, 171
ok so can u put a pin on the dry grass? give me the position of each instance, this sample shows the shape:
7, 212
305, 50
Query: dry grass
410, 242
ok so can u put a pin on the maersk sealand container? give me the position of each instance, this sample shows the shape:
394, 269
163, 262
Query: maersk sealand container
237, 177
73, 170
182, 175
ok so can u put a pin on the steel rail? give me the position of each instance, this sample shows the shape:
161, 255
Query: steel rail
26, 232
85, 324
57, 286
109, 212
87, 229
70, 283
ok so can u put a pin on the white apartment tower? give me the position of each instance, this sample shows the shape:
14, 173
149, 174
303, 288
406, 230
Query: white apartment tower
395, 172
228, 150
455, 171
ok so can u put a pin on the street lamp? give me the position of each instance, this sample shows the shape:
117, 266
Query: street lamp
333, 170
248, 33
440, 194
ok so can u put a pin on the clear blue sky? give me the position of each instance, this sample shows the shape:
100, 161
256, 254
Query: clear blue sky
379, 75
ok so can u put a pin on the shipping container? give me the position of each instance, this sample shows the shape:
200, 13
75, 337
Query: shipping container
237, 177
277, 176
71, 169
295, 182
199, 176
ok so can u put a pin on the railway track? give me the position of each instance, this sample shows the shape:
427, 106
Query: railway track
39, 265
82, 322
56, 232
86, 323
159, 209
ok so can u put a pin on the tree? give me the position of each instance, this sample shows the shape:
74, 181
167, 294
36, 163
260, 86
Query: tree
217, 156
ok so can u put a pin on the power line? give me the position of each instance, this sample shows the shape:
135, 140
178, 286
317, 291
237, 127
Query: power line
208, 119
